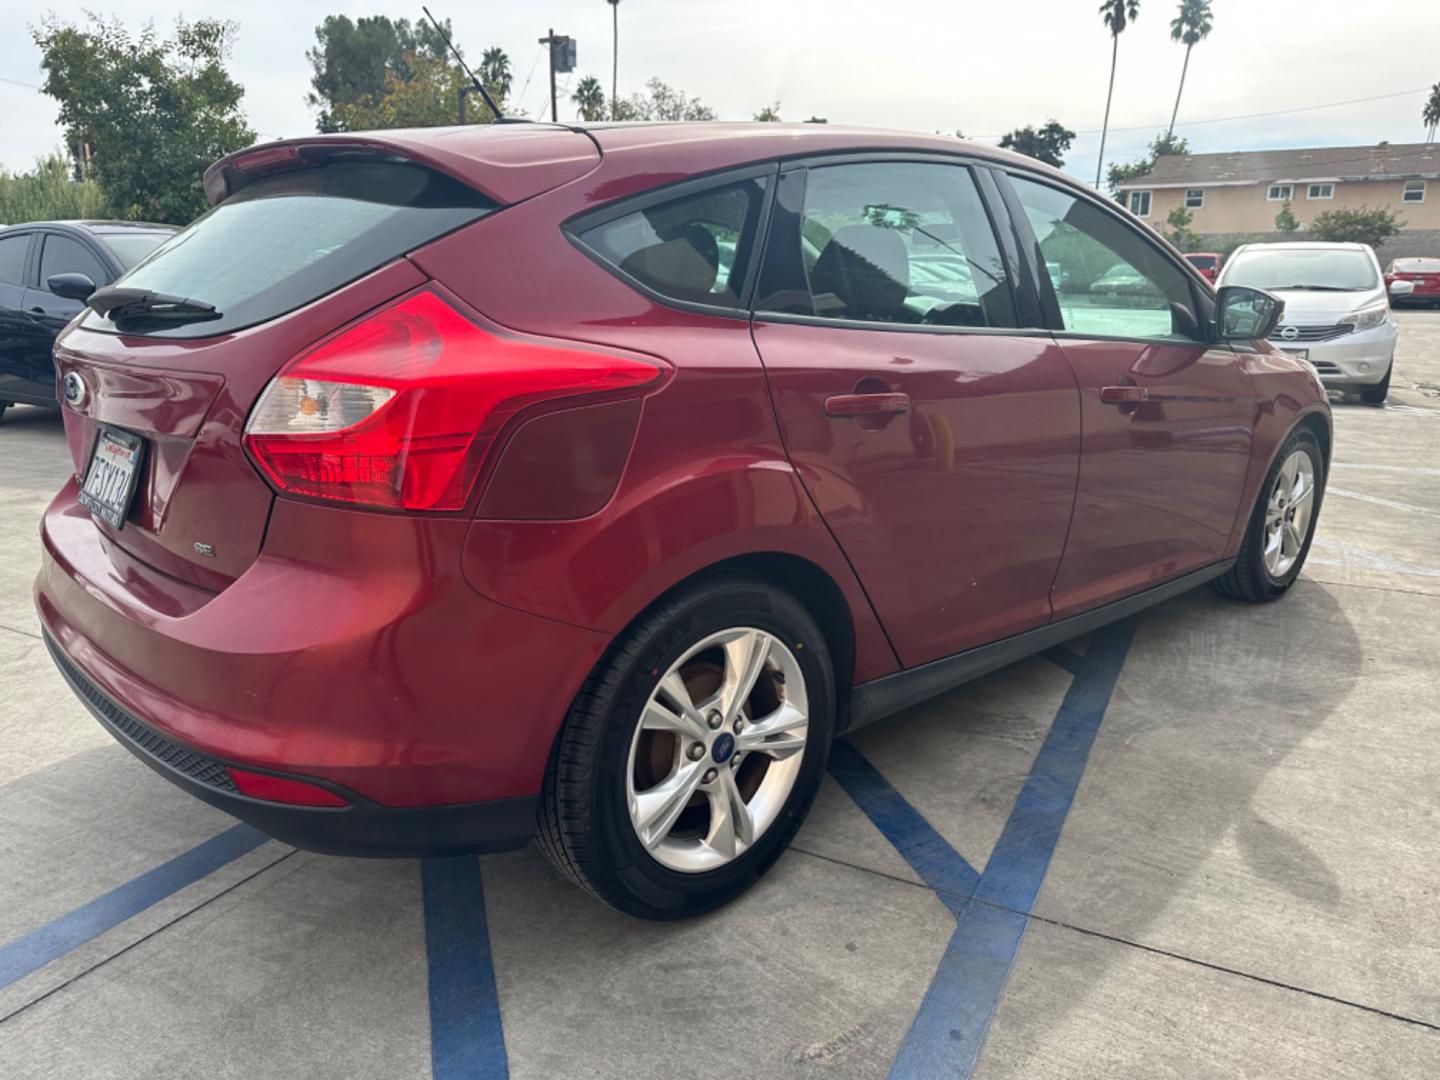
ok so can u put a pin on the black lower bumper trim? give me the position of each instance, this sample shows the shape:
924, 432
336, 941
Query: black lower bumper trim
364, 828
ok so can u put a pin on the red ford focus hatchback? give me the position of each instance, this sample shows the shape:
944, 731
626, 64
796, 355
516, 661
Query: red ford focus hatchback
439, 489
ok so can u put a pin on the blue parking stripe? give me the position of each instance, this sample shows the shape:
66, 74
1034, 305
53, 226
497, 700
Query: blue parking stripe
937, 863
466, 1037
949, 1030
53, 940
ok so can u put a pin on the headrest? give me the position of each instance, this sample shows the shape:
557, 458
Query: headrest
866, 269
683, 265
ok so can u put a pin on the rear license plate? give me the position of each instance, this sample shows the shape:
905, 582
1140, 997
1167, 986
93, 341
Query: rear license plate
112, 476
1299, 354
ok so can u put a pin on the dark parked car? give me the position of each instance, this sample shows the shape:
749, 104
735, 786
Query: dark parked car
439, 489
32, 312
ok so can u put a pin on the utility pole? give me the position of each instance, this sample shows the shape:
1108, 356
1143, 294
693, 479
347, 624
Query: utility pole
562, 58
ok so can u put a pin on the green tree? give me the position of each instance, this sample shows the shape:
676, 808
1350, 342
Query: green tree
770, 114
1191, 26
1162, 145
1361, 225
357, 61
154, 112
48, 193
1285, 220
1179, 219
1117, 15
661, 102
589, 98
428, 96
1431, 113
1048, 144
495, 74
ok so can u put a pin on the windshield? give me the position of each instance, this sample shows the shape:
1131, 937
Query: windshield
131, 247
291, 237
1416, 266
1337, 269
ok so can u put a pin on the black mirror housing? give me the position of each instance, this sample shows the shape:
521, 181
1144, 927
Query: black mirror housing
1245, 314
71, 286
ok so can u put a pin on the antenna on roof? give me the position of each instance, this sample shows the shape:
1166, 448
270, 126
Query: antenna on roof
494, 109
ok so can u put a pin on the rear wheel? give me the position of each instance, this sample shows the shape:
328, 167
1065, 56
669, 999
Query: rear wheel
693, 752
1281, 525
1374, 395
3, 406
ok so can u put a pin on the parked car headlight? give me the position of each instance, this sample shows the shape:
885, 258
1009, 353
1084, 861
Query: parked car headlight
1368, 318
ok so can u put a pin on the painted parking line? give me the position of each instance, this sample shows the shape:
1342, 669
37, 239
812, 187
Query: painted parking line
948, 1032
466, 1037
58, 937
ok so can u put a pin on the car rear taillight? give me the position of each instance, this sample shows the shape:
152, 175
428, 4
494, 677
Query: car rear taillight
282, 789
399, 410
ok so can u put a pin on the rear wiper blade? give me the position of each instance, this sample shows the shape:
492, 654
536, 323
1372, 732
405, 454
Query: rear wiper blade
119, 303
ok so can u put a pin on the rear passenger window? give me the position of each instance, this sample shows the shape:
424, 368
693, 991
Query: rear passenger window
888, 243
694, 247
1109, 281
13, 250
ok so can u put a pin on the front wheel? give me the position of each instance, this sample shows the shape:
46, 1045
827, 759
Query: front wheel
1281, 525
693, 752
1376, 395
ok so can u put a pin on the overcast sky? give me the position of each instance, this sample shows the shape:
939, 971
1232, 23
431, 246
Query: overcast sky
927, 65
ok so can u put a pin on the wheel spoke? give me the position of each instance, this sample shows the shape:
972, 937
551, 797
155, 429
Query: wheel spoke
730, 819
780, 734
655, 811
745, 657
1291, 544
676, 714
1304, 496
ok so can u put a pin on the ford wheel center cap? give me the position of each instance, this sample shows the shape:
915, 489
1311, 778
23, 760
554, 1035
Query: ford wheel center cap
74, 388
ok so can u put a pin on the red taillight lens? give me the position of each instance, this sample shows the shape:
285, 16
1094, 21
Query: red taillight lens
282, 789
399, 410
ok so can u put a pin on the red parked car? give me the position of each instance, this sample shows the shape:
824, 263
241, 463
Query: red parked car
1423, 274
1207, 262
439, 489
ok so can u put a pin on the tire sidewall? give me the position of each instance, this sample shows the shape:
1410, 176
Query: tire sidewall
670, 893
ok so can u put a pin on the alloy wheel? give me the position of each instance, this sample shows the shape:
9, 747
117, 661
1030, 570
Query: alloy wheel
717, 749
1288, 512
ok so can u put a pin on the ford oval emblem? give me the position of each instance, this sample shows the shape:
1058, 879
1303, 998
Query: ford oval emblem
74, 389
1289, 333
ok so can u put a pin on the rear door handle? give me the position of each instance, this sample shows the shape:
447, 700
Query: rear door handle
1123, 395
866, 404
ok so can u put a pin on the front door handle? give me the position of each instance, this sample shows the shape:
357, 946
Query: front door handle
866, 404
1124, 395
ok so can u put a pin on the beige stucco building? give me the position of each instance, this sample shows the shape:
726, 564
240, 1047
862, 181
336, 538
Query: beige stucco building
1240, 193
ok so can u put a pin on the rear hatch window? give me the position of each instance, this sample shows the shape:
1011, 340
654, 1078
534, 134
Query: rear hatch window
288, 238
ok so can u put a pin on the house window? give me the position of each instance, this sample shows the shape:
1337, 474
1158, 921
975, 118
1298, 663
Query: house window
1194, 198
1320, 191
1140, 203
1414, 191
1280, 192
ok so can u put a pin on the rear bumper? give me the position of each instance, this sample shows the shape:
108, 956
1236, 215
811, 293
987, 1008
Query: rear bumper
362, 829
352, 653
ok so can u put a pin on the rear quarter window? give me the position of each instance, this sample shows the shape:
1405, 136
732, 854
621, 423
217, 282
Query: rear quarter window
696, 247
289, 238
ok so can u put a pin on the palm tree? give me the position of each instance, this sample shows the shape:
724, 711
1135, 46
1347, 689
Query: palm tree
614, 57
589, 98
1116, 14
495, 72
1431, 113
1191, 26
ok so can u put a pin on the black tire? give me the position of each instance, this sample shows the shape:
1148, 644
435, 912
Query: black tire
4, 405
1376, 395
585, 829
1250, 579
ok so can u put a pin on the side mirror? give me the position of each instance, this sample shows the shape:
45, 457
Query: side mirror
71, 286
1247, 314
1400, 287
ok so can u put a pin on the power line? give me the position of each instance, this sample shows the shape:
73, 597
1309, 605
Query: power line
1244, 116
